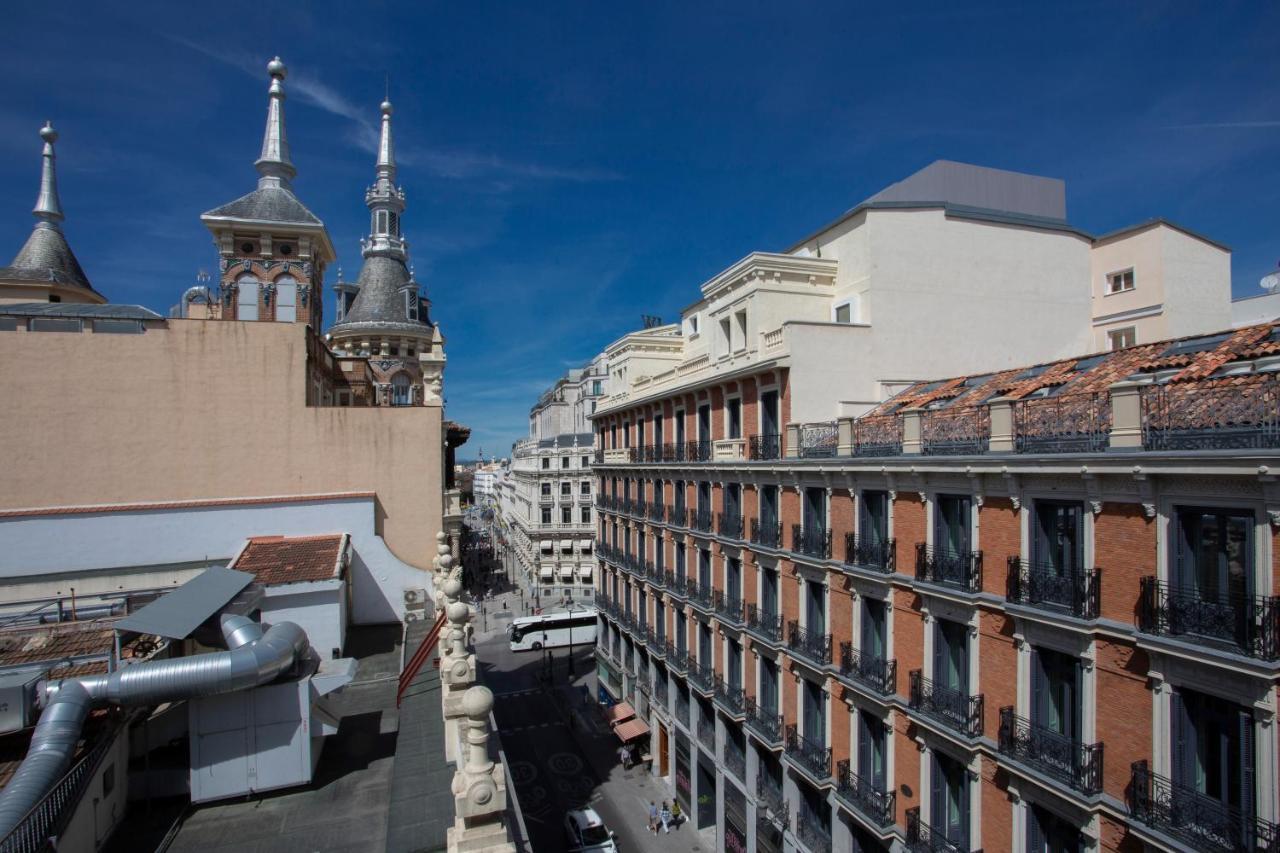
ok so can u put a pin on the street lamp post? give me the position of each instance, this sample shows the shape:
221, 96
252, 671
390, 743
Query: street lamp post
569, 609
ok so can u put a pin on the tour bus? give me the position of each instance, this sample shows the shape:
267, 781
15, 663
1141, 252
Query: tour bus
551, 630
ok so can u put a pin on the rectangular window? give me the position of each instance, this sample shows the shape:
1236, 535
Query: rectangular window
815, 608
734, 407
768, 686
586, 514
1212, 750
951, 656
546, 463
843, 313
871, 750
566, 489
117, 327
287, 302
874, 628
733, 665
1058, 537
724, 335
874, 522
704, 568
680, 559
733, 500
950, 799
564, 461
951, 530
584, 487
1119, 282
1056, 681
53, 324
247, 300
1122, 338
815, 509
546, 490
566, 515
546, 515
768, 506
815, 713
733, 578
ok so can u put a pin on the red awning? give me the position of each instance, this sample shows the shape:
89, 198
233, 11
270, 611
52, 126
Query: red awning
617, 713
631, 729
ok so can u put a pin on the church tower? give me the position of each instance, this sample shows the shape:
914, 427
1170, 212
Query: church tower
382, 316
273, 250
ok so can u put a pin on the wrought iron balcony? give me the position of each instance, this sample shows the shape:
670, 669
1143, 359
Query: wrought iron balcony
767, 534
653, 574
807, 644
767, 724
598, 456
657, 512
764, 447
877, 435
960, 569
679, 515
951, 707
812, 757
1241, 413
812, 834
677, 585
700, 520
735, 760
649, 453
923, 838
656, 642
672, 452
701, 676
764, 624
729, 609
677, 659
697, 451
1248, 624
769, 795
1078, 765
868, 670
700, 596
811, 541
818, 440
950, 432
639, 508
707, 733
1072, 423
1202, 822
1074, 592
729, 525
732, 699
873, 803
877, 556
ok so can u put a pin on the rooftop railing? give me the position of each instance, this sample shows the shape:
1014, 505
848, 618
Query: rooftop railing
1042, 585
1071, 423
877, 435
1078, 765
1228, 414
950, 432
1249, 624
953, 708
818, 440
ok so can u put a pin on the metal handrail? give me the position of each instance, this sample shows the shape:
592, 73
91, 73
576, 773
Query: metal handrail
1076, 764
809, 644
961, 569
1075, 591
875, 672
1249, 623
953, 708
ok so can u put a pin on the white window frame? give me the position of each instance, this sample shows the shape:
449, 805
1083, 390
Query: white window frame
1119, 275
286, 299
1111, 344
246, 284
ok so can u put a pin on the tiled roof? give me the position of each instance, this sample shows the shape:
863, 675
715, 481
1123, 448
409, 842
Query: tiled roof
267, 204
1195, 358
299, 559
68, 647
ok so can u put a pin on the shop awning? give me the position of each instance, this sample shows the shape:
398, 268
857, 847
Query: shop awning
631, 729
618, 713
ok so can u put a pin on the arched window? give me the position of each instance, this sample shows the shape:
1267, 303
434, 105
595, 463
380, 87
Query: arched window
286, 299
247, 298
401, 390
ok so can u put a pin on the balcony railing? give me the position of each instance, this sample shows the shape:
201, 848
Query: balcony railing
728, 608
818, 440
1078, 765
701, 595
679, 515
767, 534
764, 623
961, 569
951, 432
877, 556
697, 451
1202, 822
729, 525
682, 710
767, 724
661, 693
812, 834
812, 757
871, 801
700, 520
1036, 584
1072, 423
874, 672
769, 795
735, 760
764, 447
657, 512
707, 733
811, 541
677, 584
729, 697
810, 645
877, 435
677, 658
951, 707
1241, 413
1249, 624
701, 676
923, 838
656, 642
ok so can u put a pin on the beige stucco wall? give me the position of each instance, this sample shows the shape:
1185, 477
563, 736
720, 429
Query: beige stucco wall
205, 410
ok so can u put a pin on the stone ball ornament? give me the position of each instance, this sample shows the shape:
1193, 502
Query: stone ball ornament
276, 68
477, 701
458, 612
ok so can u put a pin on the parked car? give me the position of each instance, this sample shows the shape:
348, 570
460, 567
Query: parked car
587, 832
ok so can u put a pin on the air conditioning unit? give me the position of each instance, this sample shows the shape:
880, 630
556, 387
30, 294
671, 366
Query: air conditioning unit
412, 615
411, 596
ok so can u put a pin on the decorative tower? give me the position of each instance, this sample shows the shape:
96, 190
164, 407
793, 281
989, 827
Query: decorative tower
382, 316
273, 249
45, 269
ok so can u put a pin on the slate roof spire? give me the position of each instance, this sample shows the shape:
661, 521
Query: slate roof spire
48, 207
274, 166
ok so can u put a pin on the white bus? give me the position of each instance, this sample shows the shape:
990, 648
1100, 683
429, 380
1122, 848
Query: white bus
551, 630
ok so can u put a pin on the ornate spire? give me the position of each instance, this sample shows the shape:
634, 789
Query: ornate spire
274, 166
48, 207
386, 150
385, 200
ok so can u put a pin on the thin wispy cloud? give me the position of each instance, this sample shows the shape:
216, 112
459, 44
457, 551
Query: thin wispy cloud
1224, 125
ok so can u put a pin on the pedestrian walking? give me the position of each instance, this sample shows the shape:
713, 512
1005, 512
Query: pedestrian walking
676, 814
665, 816
653, 817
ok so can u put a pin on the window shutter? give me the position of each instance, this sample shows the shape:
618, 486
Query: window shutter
962, 831
963, 523
1074, 723
1247, 774
1039, 697
937, 805
1183, 741
1035, 834
865, 767
939, 653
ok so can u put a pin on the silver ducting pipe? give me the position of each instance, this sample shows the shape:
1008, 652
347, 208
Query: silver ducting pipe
191, 294
253, 658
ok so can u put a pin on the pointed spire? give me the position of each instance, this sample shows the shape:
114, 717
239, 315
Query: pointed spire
274, 165
48, 207
386, 150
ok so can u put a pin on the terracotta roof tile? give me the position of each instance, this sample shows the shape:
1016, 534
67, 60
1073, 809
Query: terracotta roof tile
299, 559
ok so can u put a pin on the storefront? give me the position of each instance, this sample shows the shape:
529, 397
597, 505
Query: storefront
684, 781
706, 792
609, 682
735, 819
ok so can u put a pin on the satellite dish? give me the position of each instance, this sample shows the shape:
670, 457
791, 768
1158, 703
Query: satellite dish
1270, 282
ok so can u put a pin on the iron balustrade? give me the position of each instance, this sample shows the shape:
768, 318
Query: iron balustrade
729, 696
729, 609
1248, 623
677, 658
677, 585
953, 432
735, 760
953, 708
769, 794
877, 556
818, 440
729, 525
923, 838
764, 447
767, 534
1041, 584
679, 515
811, 756
655, 641
700, 596
808, 644
877, 435
701, 676
1075, 764
598, 456
764, 623
657, 512
961, 569
697, 451
1072, 423
700, 520
811, 541
652, 573
1240, 413
639, 508
1201, 821
871, 801
811, 833
672, 452
707, 733
875, 672
765, 722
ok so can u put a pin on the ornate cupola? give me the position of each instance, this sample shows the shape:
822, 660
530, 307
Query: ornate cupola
45, 269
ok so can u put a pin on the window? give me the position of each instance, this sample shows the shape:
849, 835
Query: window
126, 327
768, 506
874, 630
586, 514
401, 390
951, 659
768, 686
566, 515
871, 749
546, 490
1119, 282
740, 330
1048, 833
1056, 681
566, 489
815, 713
1058, 536
693, 325
949, 800
586, 460
815, 608
53, 297
815, 509
704, 568
546, 515
546, 463
596, 387
844, 313
735, 418
951, 525
584, 487
246, 298
768, 592
1122, 338
874, 522
1212, 751
724, 334
733, 579
564, 461
286, 300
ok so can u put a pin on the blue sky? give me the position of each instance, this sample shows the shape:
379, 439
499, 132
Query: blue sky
572, 166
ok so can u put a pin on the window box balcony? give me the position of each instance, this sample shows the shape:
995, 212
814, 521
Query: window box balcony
766, 534
701, 677
812, 757
764, 624
866, 799
878, 674
1077, 765
730, 526
878, 435
707, 734
818, 440
700, 596
761, 448
952, 708
730, 698
1248, 624
923, 838
1072, 423
955, 432
700, 520
765, 723
808, 645
1041, 585
813, 542
1199, 821
728, 609
876, 556
1225, 415
697, 451
962, 570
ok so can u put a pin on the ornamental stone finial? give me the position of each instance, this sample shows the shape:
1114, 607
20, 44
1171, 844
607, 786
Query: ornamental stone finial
274, 166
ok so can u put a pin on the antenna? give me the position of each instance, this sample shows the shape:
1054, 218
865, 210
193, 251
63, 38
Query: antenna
388, 97
650, 321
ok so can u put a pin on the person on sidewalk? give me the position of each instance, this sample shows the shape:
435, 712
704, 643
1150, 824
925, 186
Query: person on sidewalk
676, 814
665, 815
653, 817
